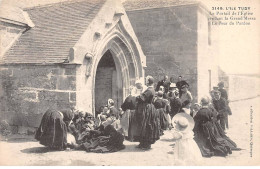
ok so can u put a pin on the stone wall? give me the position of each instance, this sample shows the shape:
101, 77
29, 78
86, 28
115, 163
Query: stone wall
27, 91
177, 41
168, 37
241, 87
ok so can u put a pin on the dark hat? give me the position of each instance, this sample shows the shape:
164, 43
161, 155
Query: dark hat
184, 83
215, 88
221, 84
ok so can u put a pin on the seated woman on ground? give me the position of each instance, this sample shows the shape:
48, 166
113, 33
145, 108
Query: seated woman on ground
53, 129
102, 139
102, 116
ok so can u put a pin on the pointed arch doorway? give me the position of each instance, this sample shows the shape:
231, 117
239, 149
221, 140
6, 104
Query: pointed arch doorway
115, 69
108, 82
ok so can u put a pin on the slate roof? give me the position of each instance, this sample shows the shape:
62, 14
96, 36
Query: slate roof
57, 28
131, 5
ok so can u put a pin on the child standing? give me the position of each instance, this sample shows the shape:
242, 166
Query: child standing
186, 151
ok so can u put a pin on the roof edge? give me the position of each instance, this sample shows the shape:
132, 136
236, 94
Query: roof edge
38, 64
199, 4
150, 8
55, 3
12, 22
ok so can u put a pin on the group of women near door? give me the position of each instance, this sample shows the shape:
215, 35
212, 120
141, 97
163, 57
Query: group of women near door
145, 125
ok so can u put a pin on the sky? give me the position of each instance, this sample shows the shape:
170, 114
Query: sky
239, 49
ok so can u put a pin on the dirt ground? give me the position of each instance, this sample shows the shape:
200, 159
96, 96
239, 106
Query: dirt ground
24, 150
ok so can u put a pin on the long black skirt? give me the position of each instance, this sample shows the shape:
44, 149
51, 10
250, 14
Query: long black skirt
52, 131
134, 127
150, 123
212, 140
164, 122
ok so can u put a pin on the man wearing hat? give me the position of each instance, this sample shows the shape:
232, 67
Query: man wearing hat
222, 90
163, 83
220, 104
212, 92
180, 83
172, 87
225, 96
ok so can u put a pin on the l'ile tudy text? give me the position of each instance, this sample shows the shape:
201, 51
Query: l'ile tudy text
230, 8
231, 16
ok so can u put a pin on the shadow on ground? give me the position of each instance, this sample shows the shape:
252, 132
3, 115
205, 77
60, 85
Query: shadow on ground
132, 148
20, 140
37, 150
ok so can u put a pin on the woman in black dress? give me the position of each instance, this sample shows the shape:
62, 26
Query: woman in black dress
128, 120
162, 106
147, 116
209, 136
52, 131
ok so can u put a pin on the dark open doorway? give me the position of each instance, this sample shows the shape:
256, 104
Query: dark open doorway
106, 82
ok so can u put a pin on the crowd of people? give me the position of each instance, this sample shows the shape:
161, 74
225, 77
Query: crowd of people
197, 128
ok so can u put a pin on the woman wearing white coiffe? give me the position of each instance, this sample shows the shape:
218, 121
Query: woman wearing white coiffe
139, 87
127, 120
186, 150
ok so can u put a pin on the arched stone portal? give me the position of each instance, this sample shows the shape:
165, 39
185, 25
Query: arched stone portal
120, 46
121, 68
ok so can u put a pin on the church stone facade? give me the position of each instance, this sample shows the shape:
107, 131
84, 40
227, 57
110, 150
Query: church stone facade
61, 60
80, 53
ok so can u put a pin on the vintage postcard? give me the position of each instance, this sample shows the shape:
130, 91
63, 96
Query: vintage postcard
129, 83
